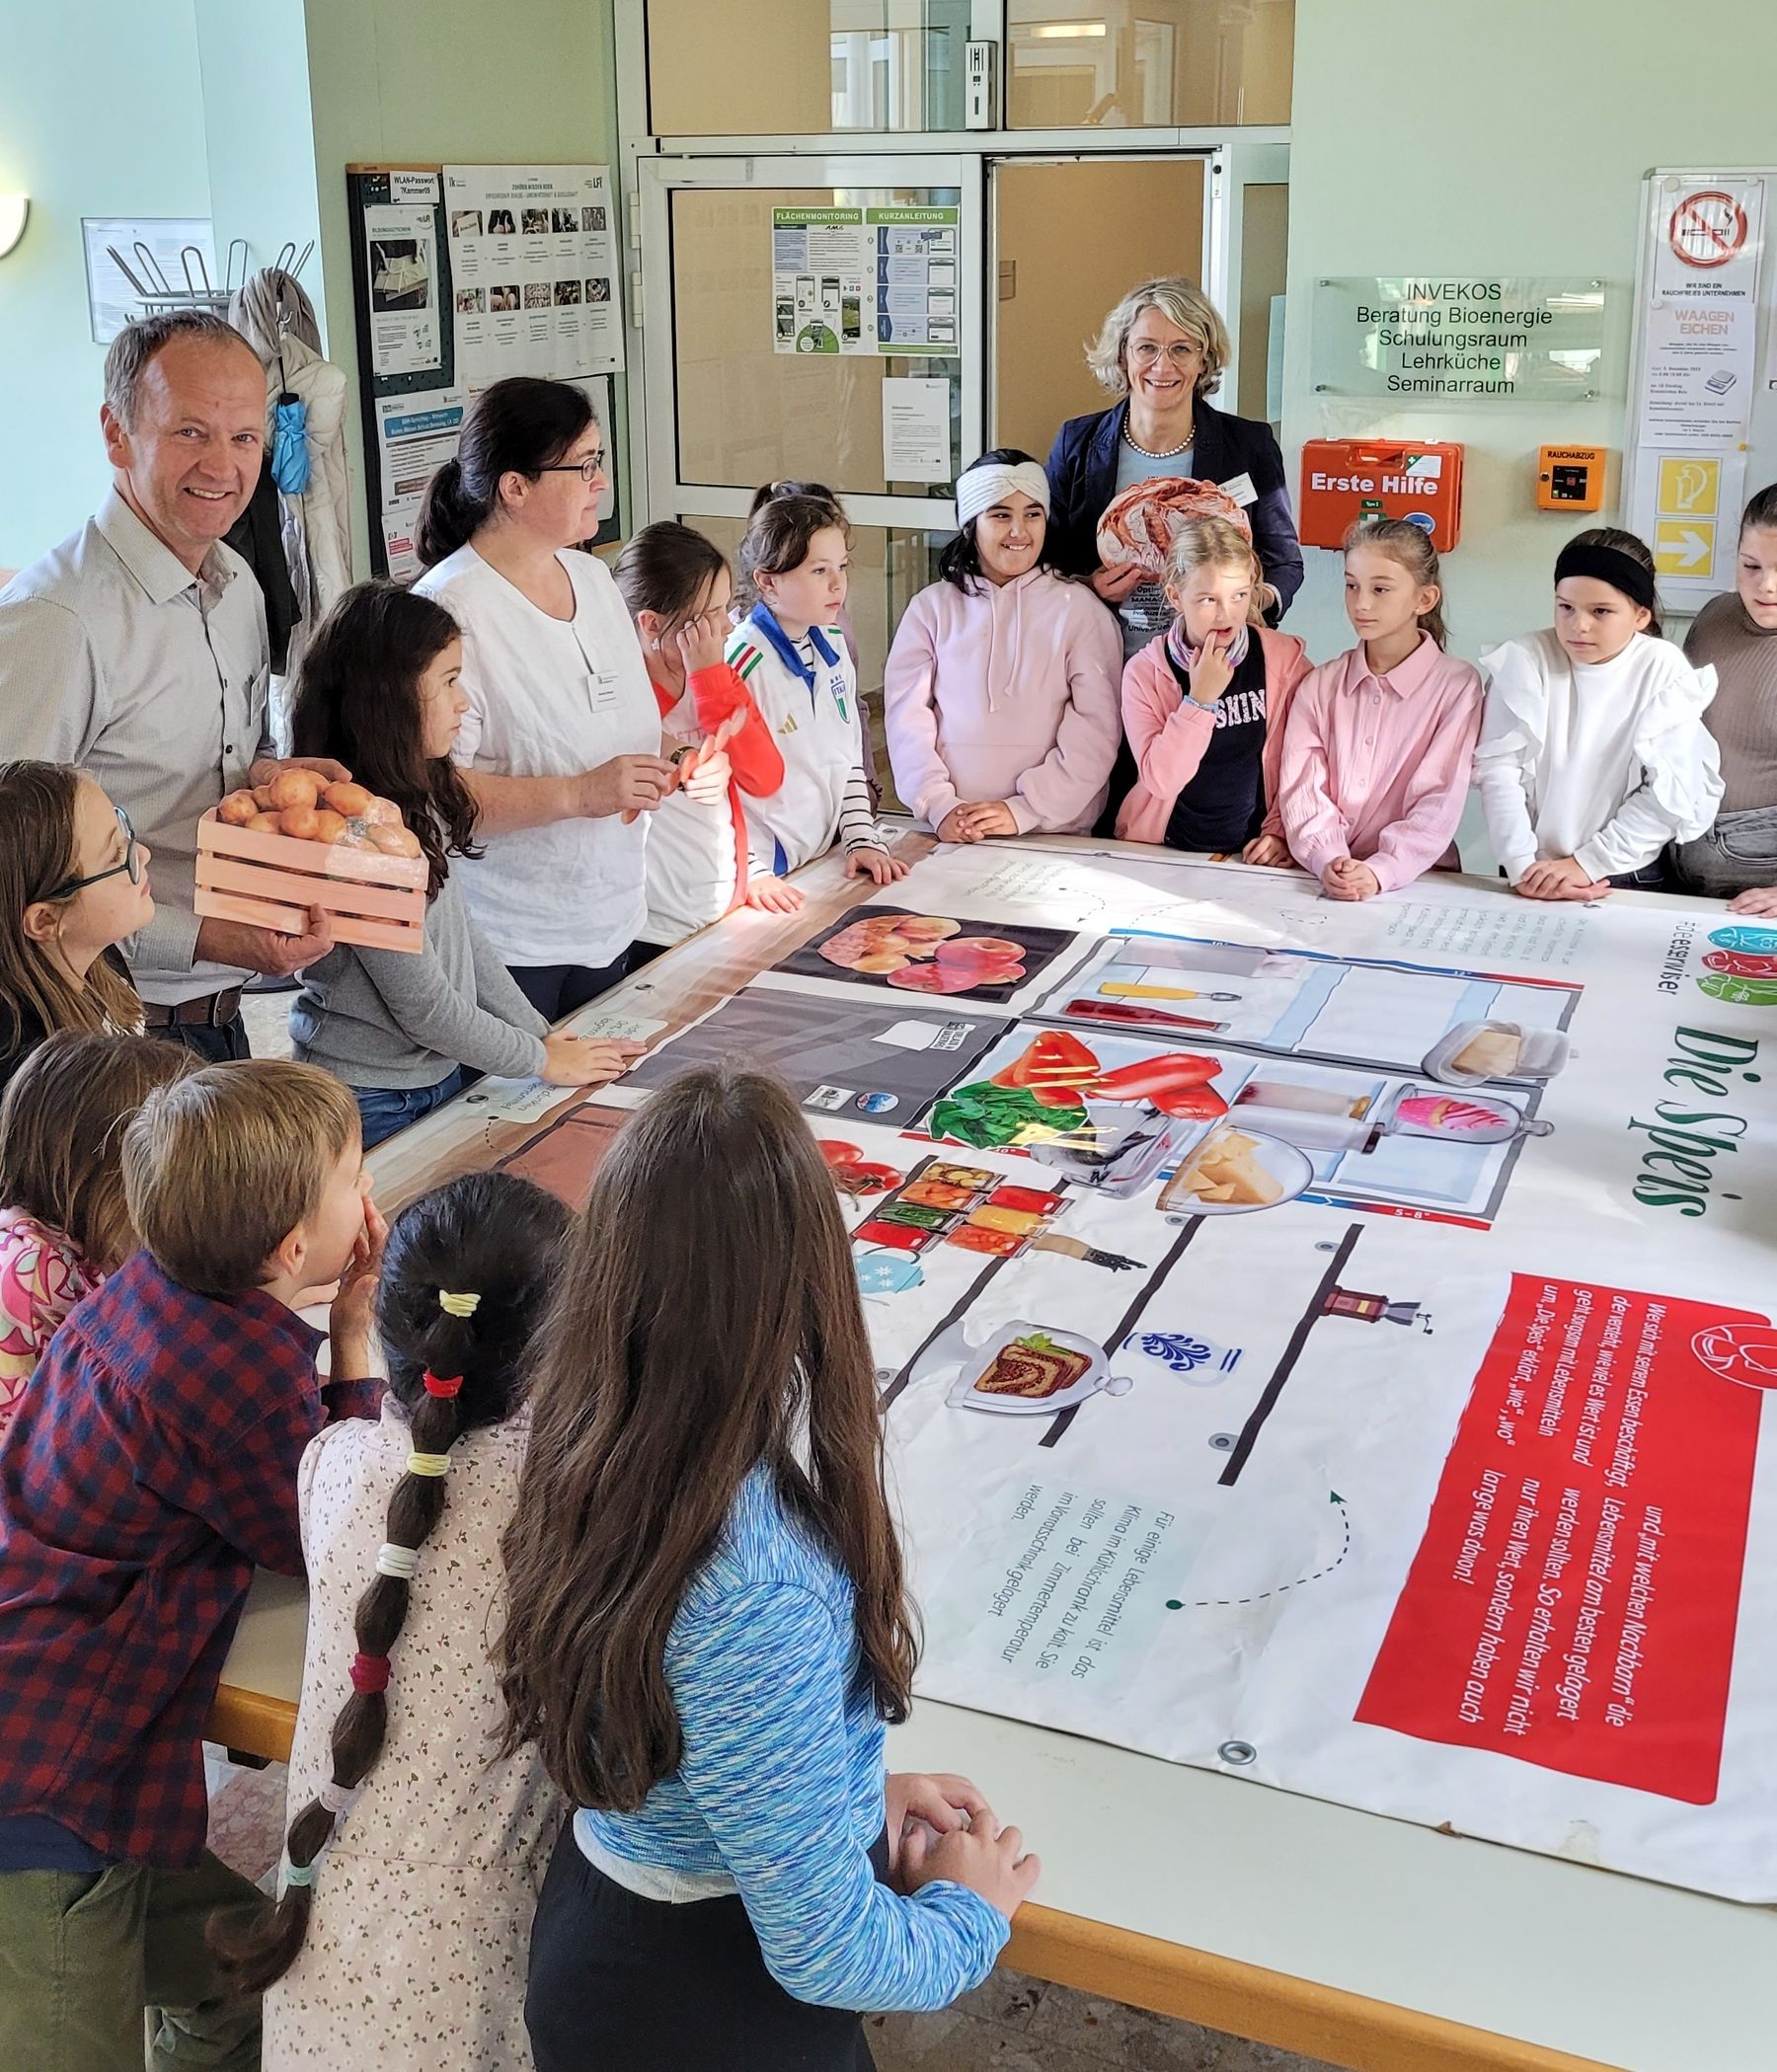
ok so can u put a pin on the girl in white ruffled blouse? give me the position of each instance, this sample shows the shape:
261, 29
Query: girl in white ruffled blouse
1593, 755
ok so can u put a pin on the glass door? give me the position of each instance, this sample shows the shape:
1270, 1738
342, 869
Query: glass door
819, 319
811, 317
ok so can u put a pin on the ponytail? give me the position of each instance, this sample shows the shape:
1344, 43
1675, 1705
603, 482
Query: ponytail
517, 426
448, 517
457, 1361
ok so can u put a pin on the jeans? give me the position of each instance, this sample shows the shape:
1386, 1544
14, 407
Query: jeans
555, 990
222, 1045
384, 1109
1738, 853
1650, 877
83, 1952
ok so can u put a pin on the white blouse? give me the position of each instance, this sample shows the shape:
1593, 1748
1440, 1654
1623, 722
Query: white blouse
1605, 762
551, 698
419, 1940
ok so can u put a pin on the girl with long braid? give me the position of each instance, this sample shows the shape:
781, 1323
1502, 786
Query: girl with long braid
414, 1860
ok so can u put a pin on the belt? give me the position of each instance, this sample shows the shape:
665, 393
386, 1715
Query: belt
210, 1013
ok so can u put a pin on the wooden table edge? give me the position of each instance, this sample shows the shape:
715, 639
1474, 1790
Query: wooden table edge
1145, 1971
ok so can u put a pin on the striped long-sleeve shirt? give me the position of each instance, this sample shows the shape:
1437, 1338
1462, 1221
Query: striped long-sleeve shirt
781, 1785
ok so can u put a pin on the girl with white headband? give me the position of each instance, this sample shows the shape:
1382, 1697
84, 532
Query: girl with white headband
402, 1933
1001, 690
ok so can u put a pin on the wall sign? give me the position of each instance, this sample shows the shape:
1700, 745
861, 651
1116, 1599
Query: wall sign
1412, 339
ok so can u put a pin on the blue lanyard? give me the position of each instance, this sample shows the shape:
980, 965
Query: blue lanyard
786, 650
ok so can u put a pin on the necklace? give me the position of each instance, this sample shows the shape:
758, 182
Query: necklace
1148, 453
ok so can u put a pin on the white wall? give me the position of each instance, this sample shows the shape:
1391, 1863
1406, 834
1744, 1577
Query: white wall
1497, 137
100, 115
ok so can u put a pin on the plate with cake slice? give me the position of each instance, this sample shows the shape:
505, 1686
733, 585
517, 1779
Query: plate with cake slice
1025, 1370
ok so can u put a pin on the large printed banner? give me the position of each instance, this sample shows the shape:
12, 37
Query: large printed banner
1325, 1344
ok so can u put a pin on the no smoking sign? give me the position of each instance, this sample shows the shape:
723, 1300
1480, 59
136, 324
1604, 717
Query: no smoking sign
1707, 229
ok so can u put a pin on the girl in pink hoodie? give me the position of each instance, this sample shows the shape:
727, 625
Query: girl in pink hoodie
1205, 707
1000, 694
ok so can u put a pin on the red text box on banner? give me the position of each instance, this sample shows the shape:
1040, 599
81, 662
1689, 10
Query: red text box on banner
1573, 1601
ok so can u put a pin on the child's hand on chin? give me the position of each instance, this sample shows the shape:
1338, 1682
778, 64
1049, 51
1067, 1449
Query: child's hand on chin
875, 864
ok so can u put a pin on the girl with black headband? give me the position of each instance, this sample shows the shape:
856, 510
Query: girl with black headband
1593, 754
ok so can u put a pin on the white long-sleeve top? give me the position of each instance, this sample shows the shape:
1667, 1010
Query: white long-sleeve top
1605, 762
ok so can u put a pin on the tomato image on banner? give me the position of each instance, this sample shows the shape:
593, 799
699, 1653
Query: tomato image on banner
1574, 1599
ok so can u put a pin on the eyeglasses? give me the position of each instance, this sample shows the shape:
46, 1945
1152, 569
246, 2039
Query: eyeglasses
589, 469
1144, 353
131, 867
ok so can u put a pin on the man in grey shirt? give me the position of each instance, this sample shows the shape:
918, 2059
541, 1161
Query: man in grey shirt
137, 651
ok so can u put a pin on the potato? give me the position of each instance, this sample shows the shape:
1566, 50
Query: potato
393, 841
237, 810
267, 823
262, 798
381, 812
300, 822
351, 799
292, 789
329, 825
882, 962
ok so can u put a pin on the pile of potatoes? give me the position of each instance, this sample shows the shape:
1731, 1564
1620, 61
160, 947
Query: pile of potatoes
303, 805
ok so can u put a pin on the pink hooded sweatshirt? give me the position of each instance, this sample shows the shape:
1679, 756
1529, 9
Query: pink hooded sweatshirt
1169, 734
1009, 693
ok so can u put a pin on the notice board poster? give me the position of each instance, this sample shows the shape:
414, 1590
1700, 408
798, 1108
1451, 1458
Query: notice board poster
864, 281
533, 262
1703, 414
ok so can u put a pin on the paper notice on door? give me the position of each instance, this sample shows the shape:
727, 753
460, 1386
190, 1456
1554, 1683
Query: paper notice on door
917, 428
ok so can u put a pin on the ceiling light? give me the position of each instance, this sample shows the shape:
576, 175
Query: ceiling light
14, 208
1067, 32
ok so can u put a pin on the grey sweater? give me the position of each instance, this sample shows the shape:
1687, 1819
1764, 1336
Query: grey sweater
388, 1018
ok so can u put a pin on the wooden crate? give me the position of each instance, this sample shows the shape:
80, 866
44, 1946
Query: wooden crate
269, 880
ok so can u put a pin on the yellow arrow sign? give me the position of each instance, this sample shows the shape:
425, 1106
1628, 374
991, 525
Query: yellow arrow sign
1684, 546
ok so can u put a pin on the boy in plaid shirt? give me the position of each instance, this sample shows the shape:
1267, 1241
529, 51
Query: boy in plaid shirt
150, 1468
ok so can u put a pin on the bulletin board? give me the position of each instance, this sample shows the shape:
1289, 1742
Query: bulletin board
1702, 428
427, 338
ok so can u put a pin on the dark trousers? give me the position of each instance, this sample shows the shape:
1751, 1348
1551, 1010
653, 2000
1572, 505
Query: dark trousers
555, 990
1656, 877
624, 1984
222, 1045
82, 1954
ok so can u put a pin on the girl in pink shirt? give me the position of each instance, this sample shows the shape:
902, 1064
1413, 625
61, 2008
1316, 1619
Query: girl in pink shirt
1000, 694
1380, 742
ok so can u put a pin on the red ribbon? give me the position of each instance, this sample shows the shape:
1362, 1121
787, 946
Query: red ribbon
441, 1384
369, 1673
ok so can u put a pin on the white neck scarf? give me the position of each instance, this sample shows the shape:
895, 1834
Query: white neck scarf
981, 489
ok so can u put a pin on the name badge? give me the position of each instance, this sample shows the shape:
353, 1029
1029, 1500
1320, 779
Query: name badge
604, 690
1240, 488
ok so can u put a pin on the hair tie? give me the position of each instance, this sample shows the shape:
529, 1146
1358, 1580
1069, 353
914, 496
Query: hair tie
428, 1464
441, 1384
981, 487
1607, 565
458, 1305
369, 1673
298, 1873
337, 1798
402, 1562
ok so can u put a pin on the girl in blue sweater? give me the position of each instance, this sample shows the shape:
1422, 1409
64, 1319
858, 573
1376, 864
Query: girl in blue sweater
707, 1629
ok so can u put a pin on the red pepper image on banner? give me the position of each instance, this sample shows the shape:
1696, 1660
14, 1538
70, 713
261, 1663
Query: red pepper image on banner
1573, 1598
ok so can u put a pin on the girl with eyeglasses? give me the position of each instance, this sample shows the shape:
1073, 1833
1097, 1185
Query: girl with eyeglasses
561, 746
73, 887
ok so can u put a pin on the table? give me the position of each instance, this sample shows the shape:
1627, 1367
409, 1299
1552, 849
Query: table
1374, 1944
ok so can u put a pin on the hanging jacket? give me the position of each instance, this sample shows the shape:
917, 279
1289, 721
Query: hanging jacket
277, 319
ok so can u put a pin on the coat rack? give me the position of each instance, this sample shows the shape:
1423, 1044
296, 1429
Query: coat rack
149, 282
